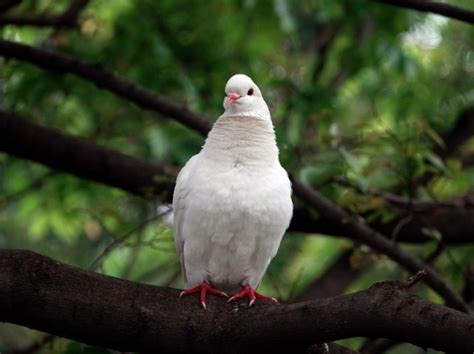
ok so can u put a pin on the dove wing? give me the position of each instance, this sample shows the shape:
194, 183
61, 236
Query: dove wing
180, 203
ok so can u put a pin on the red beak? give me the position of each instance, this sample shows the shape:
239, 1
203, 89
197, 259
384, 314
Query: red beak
232, 96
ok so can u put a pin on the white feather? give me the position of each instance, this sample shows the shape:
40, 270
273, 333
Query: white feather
232, 201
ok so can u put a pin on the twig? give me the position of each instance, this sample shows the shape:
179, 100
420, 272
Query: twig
118, 240
407, 284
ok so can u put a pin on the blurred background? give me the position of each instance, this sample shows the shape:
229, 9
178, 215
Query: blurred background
364, 98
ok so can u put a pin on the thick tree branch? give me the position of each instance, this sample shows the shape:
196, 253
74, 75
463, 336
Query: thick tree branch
434, 7
67, 19
365, 234
24, 139
44, 294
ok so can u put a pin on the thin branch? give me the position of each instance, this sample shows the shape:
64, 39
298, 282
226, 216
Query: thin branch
119, 240
68, 19
100, 310
378, 242
435, 7
414, 279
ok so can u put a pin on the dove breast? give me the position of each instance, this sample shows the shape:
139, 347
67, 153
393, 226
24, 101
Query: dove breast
232, 205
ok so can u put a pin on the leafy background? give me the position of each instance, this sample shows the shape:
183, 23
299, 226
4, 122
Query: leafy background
372, 110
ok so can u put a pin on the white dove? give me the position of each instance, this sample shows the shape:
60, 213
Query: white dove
232, 201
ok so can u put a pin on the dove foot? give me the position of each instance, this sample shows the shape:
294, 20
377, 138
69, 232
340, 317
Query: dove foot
247, 291
203, 289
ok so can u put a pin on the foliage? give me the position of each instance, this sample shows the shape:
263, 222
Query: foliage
372, 109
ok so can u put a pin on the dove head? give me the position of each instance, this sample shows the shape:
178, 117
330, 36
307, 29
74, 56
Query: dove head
243, 98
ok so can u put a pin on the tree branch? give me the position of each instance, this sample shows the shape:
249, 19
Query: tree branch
41, 293
362, 232
105, 79
434, 7
24, 139
67, 19
413, 231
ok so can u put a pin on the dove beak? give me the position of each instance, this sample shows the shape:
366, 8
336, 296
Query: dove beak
232, 96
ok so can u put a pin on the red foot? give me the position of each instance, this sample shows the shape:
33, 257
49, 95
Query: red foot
251, 294
203, 288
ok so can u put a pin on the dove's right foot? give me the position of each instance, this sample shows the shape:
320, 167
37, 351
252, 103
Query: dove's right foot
203, 288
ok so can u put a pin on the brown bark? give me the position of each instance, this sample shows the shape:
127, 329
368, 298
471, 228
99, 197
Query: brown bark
41, 293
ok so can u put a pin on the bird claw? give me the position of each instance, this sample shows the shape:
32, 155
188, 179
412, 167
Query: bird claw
247, 291
203, 289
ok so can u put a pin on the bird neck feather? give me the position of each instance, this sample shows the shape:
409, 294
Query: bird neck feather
244, 139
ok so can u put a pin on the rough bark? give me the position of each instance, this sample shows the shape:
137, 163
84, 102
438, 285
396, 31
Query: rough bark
41, 293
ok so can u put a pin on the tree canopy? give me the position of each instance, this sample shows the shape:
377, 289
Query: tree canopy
102, 102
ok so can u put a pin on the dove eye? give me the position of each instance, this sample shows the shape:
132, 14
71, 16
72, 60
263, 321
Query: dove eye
250, 92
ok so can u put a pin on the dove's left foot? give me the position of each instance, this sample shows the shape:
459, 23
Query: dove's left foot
203, 288
251, 294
